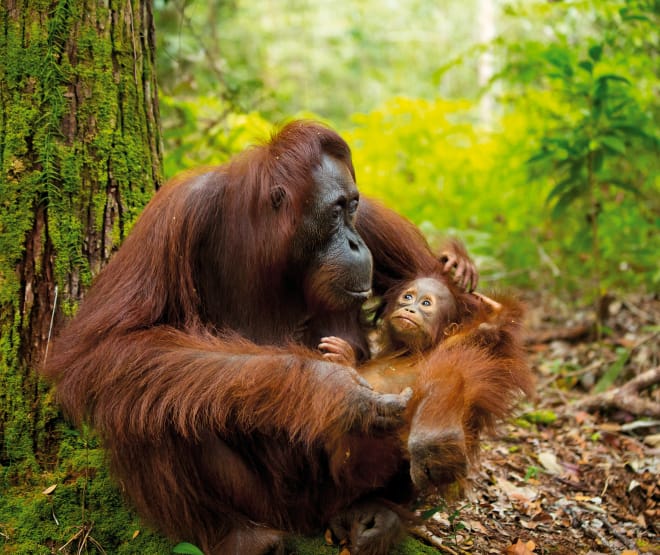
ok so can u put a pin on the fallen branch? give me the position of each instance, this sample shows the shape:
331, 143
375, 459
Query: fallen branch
627, 396
573, 333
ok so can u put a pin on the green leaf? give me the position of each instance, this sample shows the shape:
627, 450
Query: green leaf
566, 200
564, 186
613, 143
595, 52
612, 77
634, 17
541, 155
559, 58
540, 416
187, 549
632, 130
587, 66
613, 372
625, 186
599, 158
430, 512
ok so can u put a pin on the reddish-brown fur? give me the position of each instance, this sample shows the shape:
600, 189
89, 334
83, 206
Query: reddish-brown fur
218, 429
466, 383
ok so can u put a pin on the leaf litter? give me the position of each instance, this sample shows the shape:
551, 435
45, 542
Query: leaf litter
575, 473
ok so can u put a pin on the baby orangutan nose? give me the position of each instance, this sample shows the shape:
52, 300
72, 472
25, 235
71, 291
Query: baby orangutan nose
437, 458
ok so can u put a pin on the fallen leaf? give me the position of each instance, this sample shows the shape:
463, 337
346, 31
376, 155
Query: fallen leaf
549, 461
515, 493
135, 534
49, 489
653, 440
520, 548
476, 526
581, 417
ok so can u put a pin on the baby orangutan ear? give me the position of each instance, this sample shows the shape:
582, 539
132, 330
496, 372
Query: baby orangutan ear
277, 196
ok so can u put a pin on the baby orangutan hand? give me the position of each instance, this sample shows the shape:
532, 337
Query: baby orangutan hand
336, 349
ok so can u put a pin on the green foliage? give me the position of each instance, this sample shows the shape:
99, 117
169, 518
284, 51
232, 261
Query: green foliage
532, 473
37, 518
432, 163
203, 131
285, 57
576, 93
594, 131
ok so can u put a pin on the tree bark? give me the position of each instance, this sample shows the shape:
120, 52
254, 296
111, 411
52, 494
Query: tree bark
80, 155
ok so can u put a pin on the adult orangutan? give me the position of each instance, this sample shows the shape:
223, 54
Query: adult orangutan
193, 352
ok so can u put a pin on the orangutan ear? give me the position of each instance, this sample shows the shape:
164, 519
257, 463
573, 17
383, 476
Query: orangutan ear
277, 196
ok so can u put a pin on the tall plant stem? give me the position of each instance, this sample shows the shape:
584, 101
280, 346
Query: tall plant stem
595, 247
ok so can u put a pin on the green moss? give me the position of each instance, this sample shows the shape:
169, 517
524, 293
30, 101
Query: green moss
34, 522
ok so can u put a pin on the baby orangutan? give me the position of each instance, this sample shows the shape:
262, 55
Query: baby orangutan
414, 323
462, 355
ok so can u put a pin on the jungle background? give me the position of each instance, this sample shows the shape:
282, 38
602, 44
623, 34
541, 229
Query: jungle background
526, 128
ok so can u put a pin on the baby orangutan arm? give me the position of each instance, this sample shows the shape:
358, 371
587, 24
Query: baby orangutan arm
336, 349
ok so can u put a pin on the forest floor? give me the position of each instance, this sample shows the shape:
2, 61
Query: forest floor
575, 474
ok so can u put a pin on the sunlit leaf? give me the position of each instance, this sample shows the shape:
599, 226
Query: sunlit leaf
540, 416
613, 143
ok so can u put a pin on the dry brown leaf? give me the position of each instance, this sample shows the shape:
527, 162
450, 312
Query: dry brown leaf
520, 548
136, 534
516, 493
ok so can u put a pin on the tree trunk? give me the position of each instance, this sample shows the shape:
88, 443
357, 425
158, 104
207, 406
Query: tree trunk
80, 155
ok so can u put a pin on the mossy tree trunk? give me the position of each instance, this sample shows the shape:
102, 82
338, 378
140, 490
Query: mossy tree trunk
80, 155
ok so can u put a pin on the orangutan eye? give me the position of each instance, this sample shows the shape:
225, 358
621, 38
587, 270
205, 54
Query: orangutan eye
408, 297
426, 302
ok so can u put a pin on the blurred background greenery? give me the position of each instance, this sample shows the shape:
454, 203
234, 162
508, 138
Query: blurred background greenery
528, 128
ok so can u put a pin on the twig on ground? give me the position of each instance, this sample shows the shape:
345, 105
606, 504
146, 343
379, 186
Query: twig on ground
626, 397
425, 534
